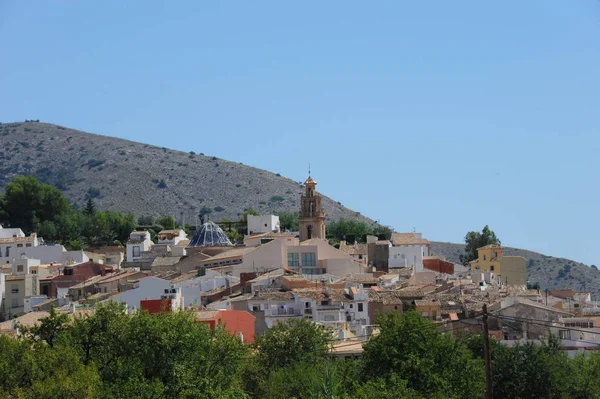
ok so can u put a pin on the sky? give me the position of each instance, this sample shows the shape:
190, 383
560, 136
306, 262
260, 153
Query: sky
437, 116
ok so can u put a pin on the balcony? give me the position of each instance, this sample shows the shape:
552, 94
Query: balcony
288, 312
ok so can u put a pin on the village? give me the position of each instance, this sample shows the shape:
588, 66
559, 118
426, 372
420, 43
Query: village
273, 276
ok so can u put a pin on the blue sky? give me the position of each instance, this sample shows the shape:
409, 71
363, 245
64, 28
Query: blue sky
440, 116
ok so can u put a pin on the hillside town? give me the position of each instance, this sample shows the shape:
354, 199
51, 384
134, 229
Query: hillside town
271, 276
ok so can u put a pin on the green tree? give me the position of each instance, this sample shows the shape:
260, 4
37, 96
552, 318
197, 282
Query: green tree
90, 207
167, 222
49, 329
475, 240
349, 230
27, 202
296, 341
412, 348
288, 220
244, 218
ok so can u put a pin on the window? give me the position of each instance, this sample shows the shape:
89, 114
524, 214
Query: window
34, 271
360, 307
348, 318
309, 259
483, 257
7, 252
360, 256
293, 259
328, 317
256, 308
14, 303
19, 245
492, 268
136, 252
19, 268
27, 245
351, 306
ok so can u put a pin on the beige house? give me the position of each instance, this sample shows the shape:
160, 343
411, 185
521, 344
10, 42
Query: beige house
510, 270
313, 256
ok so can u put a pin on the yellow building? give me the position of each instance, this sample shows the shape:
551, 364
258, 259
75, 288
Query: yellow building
511, 270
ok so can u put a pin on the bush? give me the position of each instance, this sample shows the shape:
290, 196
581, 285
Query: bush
162, 184
218, 209
277, 198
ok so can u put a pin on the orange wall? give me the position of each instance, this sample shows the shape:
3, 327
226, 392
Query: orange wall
238, 321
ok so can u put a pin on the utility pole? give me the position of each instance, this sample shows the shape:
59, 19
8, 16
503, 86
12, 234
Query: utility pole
486, 354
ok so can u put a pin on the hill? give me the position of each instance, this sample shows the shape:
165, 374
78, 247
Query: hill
550, 272
147, 180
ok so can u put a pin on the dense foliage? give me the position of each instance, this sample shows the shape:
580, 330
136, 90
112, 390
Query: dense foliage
34, 206
112, 355
474, 240
353, 230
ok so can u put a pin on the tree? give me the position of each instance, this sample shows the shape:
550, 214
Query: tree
49, 328
288, 221
293, 342
244, 218
27, 202
90, 207
167, 222
348, 230
475, 240
412, 348
146, 220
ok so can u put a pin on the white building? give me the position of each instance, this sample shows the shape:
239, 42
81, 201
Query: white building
139, 241
263, 224
408, 250
171, 237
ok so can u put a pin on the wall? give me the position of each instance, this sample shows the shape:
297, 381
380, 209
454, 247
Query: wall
264, 258
379, 256
407, 256
50, 254
238, 321
513, 270
263, 224
148, 288
438, 265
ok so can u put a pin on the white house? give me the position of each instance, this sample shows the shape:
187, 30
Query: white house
171, 237
263, 224
139, 241
408, 250
146, 288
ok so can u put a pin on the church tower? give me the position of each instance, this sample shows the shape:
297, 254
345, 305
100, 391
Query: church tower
312, 219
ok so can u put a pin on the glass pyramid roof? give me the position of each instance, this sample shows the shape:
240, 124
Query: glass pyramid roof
210, 235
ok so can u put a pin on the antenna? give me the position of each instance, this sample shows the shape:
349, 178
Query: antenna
309, 169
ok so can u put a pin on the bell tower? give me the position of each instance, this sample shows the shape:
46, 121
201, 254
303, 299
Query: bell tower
311, 220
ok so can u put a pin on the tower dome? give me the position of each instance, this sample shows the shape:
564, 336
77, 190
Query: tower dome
210, 235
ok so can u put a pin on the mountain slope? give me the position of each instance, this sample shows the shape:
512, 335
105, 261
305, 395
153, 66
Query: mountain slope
550, 272
147, 180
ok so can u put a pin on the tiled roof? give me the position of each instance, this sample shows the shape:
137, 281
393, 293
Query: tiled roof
232, 253
205, 315
273, 295
118, 276
28, 319
165, 261
355, 249
17, 240
183, 243
427, 302
408, 239
175, 232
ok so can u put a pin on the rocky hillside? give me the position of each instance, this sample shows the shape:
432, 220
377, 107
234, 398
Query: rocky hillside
147, 180
549, 272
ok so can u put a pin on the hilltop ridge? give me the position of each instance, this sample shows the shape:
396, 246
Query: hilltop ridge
144, 179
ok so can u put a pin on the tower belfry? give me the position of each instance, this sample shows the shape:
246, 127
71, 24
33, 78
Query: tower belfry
311, 220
